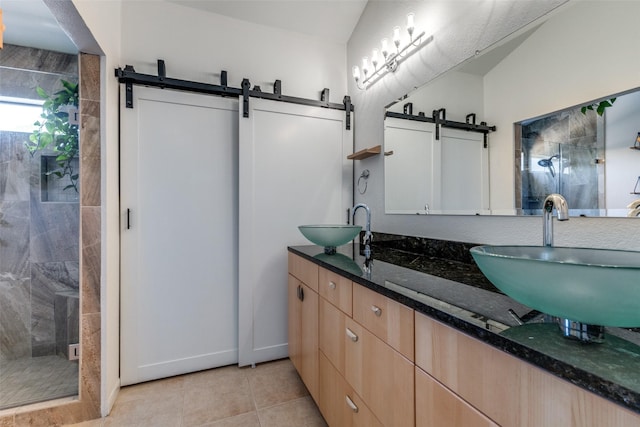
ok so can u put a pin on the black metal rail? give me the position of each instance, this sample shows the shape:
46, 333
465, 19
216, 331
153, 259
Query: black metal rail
129, 77
439, 118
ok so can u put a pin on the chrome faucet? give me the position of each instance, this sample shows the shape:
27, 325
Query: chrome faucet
552, 201
367, 230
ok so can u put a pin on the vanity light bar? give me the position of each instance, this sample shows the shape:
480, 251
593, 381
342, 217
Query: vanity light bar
374, 70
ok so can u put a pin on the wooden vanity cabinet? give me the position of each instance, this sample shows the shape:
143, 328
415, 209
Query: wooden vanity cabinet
303, 322
436, 405
509, 391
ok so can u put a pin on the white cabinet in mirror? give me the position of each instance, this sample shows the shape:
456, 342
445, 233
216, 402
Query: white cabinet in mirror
531, 86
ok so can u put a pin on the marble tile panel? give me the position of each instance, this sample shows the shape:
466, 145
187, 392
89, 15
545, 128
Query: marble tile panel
15, 162
89, 70
581, 125
15, 317
54, 231
47, 279
275, 382
90, 154
90, 368
28, 58
53, 416
14, 238
91, 258
7, 421
23, 84
297, 413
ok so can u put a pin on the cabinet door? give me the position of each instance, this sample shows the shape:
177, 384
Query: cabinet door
303, 333
331, 334
294, 325
339, 404
438, 406
335, 289
389, 320
380, 375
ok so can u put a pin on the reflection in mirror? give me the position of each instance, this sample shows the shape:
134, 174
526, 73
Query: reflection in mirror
532, 87
579, 154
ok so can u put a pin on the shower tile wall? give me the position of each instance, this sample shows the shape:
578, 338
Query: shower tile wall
39, 243
578, 139
38, 255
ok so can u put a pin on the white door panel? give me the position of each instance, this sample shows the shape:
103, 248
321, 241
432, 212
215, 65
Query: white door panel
293, 171
179, 258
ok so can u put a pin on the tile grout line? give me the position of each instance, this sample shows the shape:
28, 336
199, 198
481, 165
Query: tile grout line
253, 396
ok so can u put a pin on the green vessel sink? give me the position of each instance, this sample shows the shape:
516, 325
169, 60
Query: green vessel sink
330, 235
593, 286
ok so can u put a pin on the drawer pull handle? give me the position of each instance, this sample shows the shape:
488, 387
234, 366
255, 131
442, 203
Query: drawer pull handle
353, 337
332, 285
351, 405
376, 310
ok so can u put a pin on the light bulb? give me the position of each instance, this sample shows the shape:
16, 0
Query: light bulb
365, 65
410, 24
385, 48
396, 37
356, 73
374, 58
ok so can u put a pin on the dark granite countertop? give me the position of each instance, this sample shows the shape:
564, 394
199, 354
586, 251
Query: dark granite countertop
450, 288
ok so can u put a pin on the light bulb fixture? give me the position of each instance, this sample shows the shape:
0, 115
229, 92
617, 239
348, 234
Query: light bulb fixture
396, 37
391, 59
385, 48
410, 25
374, 59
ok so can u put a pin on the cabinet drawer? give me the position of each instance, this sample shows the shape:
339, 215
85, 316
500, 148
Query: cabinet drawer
335, 289
389, 320
305, 271
339, 404
331, 327
380, 375
438, 406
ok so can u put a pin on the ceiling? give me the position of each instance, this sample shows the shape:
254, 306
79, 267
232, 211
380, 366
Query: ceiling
30, 23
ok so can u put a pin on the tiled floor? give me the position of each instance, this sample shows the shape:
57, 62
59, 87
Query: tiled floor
36, 379
270, 395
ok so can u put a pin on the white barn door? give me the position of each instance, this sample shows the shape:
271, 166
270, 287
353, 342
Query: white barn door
293, 171
179, 194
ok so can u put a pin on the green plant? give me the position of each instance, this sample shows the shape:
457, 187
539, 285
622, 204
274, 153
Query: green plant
598, 107
55, 132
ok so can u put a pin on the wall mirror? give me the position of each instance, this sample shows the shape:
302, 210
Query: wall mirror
525, 97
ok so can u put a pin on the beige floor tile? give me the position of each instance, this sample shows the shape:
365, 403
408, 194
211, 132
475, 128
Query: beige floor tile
245, 420
296, 413
152, 390
150, 410
212, 396
275, 382
92, 423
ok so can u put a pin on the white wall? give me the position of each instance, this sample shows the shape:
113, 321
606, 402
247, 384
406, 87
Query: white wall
197, 45
622, 164
476, 26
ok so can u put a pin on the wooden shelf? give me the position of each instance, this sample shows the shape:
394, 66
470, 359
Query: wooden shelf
367, 152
